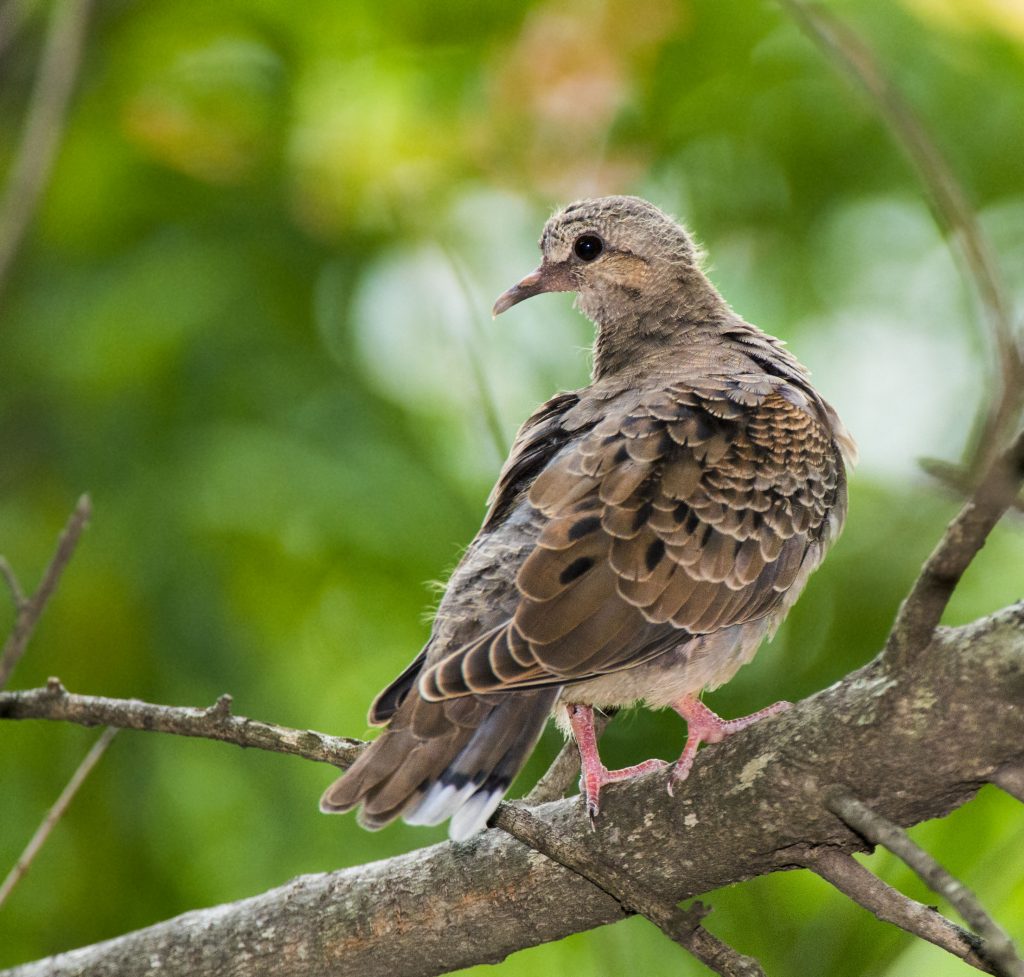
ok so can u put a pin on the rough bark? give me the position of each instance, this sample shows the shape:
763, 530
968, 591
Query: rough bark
912, 742
217, 722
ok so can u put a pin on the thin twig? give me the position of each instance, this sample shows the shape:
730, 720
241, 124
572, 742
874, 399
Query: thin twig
920, 613
55, 813
956, 478
558, 778
487, 402
30, 610
997, 947
998, 487
1011, 779
888, 904
215, 723
681, 925
953, 212
44, 126
13, 17
13, 583
733, 835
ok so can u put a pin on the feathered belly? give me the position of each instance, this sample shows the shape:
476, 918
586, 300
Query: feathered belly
703, 662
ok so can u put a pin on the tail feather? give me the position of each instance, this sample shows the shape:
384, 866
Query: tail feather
424, 763
438, 760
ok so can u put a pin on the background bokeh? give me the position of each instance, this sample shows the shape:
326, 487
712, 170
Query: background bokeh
251, 319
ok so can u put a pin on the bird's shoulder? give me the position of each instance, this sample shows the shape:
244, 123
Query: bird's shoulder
539, 439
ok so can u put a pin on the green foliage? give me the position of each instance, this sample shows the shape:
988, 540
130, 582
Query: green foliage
251, 320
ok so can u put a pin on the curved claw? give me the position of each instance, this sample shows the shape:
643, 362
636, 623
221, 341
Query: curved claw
592, 780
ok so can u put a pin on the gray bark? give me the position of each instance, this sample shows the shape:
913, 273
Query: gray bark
912, 741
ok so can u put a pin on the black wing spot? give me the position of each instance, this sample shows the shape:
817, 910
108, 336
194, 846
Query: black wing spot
584, 527
705, 426
576, 569
654, 554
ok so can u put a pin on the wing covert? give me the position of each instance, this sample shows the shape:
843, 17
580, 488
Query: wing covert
687, 510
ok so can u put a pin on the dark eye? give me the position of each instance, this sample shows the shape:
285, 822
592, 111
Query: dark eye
588, 247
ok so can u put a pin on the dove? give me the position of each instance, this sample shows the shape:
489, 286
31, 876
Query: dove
646, 534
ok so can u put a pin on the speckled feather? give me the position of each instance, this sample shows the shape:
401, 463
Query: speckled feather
644, 535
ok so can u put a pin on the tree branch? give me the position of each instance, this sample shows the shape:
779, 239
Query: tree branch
56, 812
888, 904
215, 723
13, 16
682, 926
1011, 779
559, 777
879, 830
29, 610
921, 612
957, 479
488, 405
752, 805
954, 214
44, 126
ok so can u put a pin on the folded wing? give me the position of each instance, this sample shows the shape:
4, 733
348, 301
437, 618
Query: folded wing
680, 512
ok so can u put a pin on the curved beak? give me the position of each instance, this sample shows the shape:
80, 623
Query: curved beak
547, 278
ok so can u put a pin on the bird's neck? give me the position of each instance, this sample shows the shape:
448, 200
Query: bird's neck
638, 328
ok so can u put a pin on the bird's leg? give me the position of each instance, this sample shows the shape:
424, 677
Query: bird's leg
704, 726
593, 773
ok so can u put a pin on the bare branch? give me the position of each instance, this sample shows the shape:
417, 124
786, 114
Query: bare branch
13, 583
558, 778
997, 489
488, 406
30, 610
953, 212
1011, 779
749, 803
216, 723
44, 126
921, 612
956, 478
683, 926
997, 946
13, 16
888, 904
55, 813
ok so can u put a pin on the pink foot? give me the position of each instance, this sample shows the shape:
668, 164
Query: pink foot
704, 726
593, 773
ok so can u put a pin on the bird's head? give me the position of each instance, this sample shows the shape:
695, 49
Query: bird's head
617, 253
